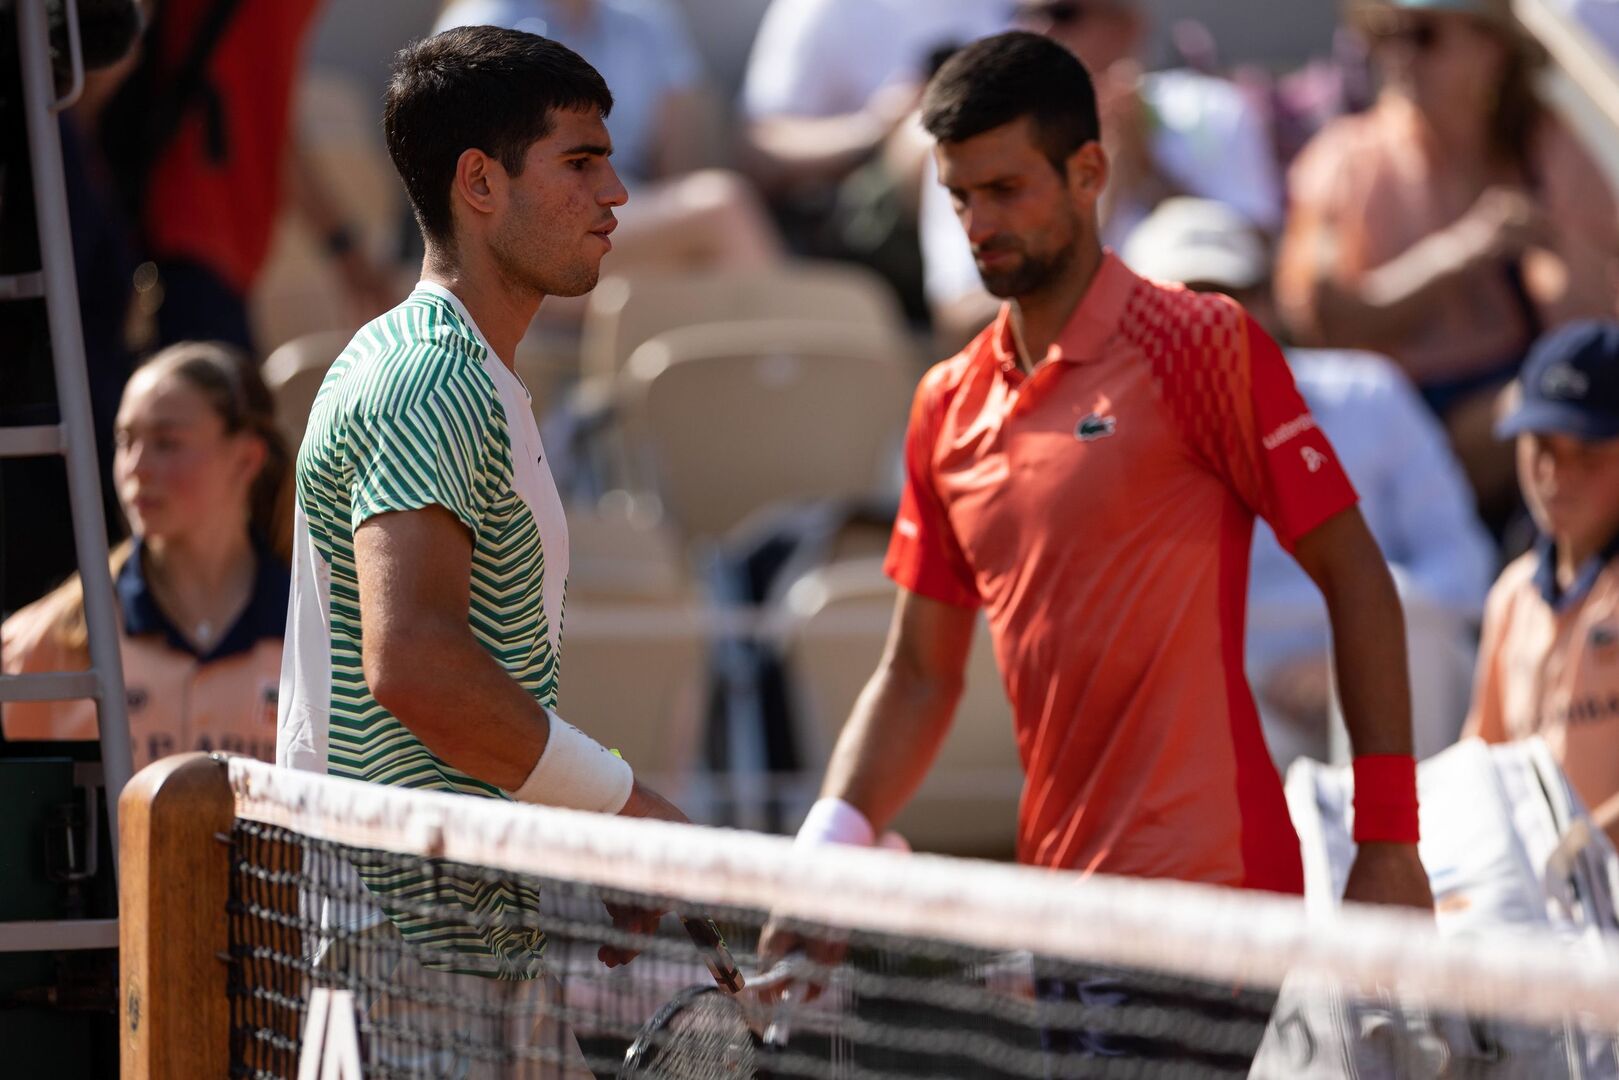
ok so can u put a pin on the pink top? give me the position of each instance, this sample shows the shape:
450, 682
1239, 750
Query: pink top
1367, 188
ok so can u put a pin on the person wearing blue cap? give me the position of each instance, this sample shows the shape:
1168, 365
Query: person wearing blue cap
1549, 661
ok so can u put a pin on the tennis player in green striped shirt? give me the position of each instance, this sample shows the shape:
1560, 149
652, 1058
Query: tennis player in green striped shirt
431, 554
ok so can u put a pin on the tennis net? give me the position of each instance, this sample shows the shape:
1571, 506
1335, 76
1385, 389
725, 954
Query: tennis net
424, 935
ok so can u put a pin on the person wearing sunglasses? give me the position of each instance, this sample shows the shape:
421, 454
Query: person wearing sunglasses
1452, 223
1171, 132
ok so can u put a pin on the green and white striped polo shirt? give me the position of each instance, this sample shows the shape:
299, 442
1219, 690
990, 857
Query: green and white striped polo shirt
417, 411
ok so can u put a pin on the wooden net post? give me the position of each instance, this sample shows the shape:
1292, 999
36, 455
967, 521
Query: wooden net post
173, 885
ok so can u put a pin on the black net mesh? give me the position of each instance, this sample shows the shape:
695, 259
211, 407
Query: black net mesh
309, 936
302, 921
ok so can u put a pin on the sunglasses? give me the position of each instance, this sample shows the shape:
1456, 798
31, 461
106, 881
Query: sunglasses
1420, 34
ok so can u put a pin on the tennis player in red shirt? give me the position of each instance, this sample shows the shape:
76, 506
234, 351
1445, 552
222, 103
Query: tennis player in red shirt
1088, 471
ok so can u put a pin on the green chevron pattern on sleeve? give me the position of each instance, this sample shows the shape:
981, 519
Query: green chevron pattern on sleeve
409, 417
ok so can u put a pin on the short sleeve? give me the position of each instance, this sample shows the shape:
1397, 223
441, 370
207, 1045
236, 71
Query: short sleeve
437, 450
1237, 407
923, 553
1295, 480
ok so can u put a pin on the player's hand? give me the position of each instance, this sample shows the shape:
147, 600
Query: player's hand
776, 944
1389, 874
638, 921
646, 803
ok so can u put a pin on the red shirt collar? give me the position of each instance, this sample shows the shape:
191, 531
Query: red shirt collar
1092, 325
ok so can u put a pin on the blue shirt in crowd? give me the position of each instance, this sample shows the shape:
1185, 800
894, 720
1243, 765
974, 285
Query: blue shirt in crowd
1412, 493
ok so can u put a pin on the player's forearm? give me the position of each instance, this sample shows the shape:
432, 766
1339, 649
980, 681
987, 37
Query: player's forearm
459, 702
889, 742
1368, 634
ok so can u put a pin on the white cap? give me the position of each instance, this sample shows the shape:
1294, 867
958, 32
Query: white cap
1198, 240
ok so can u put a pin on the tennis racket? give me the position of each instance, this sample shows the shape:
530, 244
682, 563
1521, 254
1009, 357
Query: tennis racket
702, 1034
706, 936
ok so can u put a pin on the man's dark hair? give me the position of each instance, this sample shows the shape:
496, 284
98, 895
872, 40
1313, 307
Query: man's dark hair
482, 87
1000, 79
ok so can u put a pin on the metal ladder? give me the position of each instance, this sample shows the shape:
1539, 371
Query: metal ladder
73, 437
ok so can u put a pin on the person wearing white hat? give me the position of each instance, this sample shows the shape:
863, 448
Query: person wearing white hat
1413, 494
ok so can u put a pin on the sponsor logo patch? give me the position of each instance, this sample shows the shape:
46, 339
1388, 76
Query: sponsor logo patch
1289, 431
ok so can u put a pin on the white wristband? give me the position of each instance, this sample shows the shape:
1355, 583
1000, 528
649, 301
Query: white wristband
833, 821
577, 773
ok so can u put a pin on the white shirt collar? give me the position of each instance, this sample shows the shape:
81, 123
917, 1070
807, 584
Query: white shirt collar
460, 309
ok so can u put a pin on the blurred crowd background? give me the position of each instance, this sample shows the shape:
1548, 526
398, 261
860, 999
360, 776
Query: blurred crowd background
1387, 186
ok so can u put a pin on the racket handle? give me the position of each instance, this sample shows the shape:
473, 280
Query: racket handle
711, 943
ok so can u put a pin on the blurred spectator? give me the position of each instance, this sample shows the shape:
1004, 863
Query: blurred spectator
1412, 494
829, 81
1166, 132
1549, 661
1451, 223
196, 136
681, 213
204, 479
829, 99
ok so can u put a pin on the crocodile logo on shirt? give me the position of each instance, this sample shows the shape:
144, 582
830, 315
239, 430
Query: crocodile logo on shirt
1095, 427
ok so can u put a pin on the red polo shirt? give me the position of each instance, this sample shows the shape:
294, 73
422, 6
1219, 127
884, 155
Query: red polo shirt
1101, 510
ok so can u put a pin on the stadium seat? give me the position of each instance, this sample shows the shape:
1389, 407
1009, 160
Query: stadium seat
726, 420
836, 622
294, 372
633, 649
623, 312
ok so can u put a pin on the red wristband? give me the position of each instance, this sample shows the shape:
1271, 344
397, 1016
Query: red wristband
1386, 799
